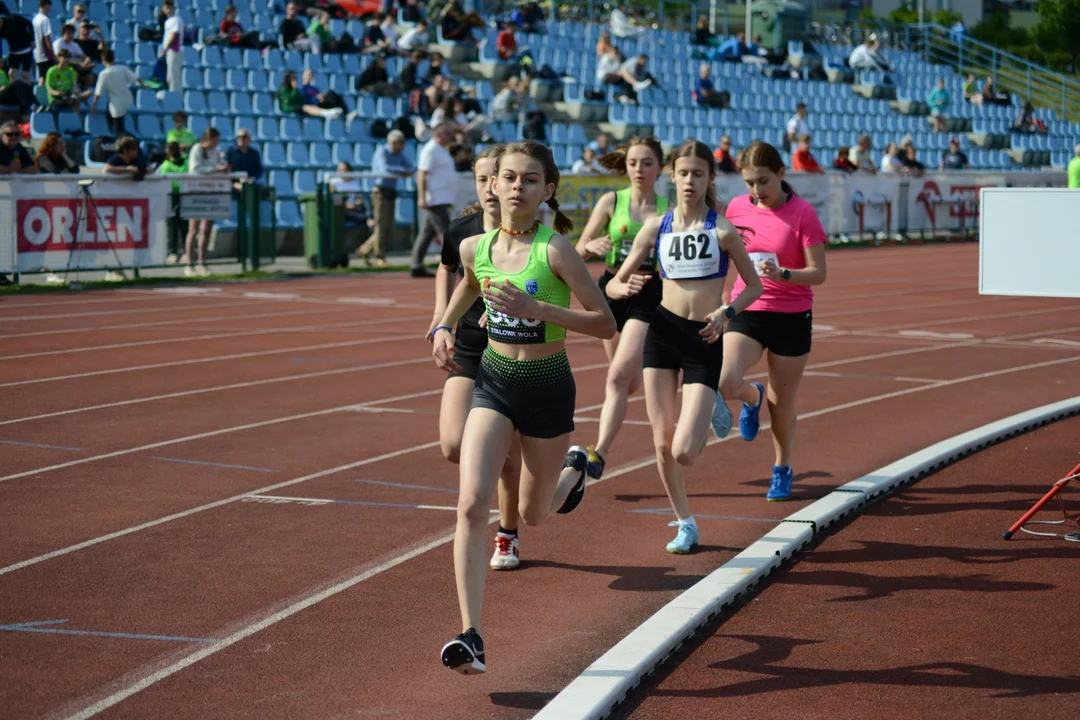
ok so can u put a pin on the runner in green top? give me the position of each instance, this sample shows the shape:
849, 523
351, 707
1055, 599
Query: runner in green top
1074, 169
526, 274
610, 234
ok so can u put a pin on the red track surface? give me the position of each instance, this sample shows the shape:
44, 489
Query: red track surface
339, 609
917, 606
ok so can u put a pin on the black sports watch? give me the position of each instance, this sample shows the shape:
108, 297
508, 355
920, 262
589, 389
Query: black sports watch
729, 312
786, 274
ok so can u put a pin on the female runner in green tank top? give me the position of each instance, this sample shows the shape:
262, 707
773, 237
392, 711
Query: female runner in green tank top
527, 274
610, 234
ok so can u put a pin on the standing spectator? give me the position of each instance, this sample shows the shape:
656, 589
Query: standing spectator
205, 159
954, 158
290, 100
860, 155
174, 164
172, 46
416, 38
181, 134
15, 93
14, 159
1074, 169
843, 160
81, 63
702, 36
705, 93
390, 163
725, 159
61, 82
938, 100
127, 160
796, 127
293, 34
44, 55
18, 32
890, 161
586, 164
376, 80
802, 159
52, 157
435, 180
244, 158
115, 81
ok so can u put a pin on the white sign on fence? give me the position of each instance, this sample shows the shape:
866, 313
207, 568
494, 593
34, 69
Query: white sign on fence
206, 198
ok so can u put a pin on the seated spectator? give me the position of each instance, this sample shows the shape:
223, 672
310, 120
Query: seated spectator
1026, 122
586, 164
909, 156
992, 96
843, 161
375, 39
61, 82
725, 158
18, 32
127, 160
435, 68
356, 210
971, 90
16, 93
602, 145
506, 44
954, 158
702, 35
635, 75
763, 55
607, 67
409, 79
14, 159
291, 101
294, 35
462, 155
415, 38
389, 31
453, 110
797, 126
244, 158
867, 56
232, 32
803, 160
457, 25
83, 65
115, 81
376, 80
938, 100
52, 157
732, 49
411, 11
603, 44
180, 134
319, 29
860, 155
508, 102
890, 161
706, 94
622, 26
91, 46
314, 96
529, 19
206, 159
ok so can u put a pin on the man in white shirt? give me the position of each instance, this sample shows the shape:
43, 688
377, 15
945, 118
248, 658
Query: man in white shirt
796, 127
415, 38
83, 65
44, 55
866, 57
435, 180
115, 81
621, 26
172, 47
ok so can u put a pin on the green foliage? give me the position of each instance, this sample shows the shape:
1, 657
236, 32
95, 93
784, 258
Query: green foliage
1059, 28
1054, 42
947, 18
903, 15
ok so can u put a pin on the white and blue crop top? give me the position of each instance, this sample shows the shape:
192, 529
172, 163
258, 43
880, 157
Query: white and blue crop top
690, 254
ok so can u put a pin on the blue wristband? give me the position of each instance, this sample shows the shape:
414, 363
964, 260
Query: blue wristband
447, 328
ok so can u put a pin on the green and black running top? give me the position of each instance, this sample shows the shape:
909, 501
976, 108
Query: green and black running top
622, 230
536, 279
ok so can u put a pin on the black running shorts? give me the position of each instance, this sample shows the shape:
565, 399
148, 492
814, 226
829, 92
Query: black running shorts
637, 307
784, 334
674, 343
469, 344
537, 396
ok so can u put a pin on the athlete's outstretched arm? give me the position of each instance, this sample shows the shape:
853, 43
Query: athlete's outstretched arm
595, 319
593, 242
628, 281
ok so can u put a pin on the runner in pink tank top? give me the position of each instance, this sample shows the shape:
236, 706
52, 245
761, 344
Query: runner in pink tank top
786, 241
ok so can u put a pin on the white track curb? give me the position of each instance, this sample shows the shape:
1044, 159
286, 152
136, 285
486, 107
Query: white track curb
605, 683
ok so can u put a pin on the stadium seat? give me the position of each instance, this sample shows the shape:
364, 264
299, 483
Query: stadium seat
41, 124
304, 181
148, 127
296, 155
320, 155
288, 214
273, 155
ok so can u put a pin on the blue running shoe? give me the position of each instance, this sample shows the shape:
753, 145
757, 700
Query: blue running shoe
750, 419
685, 540
780, 489
721, 417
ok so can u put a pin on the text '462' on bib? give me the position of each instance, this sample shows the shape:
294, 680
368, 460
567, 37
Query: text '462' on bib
689, 254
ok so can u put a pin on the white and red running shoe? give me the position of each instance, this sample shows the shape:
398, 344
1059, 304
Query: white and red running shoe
506, 553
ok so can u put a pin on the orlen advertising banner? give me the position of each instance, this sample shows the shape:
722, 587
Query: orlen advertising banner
122, 223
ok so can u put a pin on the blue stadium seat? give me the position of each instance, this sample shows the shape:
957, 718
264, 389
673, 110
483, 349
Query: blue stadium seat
268, 129
313, 128
341, 152
363, 155
339, 83
197, 124
274, 60
334, 129
214, 78
232, 58
357, 130
191, 56
333, 64
320, 155
146, 102
296, 154
313, 62
217, 101
263, 104
240, 104
191, 78
148, 127
294, 61
253, 59
211, 57
96, 125
288, 214
281, 181
236, 80
304, 181
145, 54
124, 55
291, 128
273, 155
41, 124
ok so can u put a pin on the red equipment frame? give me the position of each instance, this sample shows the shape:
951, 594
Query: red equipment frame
1072, 476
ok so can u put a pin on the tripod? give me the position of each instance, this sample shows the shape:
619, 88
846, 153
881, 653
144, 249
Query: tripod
1072, 476
87, 203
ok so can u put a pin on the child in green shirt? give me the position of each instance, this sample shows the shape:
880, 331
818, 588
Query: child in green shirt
180, 134
60, 83
175, 162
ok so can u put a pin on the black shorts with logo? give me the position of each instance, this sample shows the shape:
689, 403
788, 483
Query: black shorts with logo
784, 334
537, 396
637, 307
675, 343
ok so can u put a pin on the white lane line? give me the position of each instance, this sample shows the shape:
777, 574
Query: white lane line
1056, 341
140, 310
271, 295
935, 335
858, 376
322, 502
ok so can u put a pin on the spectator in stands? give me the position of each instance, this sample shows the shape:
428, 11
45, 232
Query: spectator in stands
602, 145
797, 126
938, 99
244, 158
127, 160
291, 101
390, 164
294, 35
803, 160
409, 79
508, 102
603, 44
954, 158
61, 82
635, 74
453, 110
376, 80
411, 11
990, 94
174, 164
435, 68
586, 164
958, 31
528, 19
172, 47
314, 96
506, 44
83, 65
1026, 122
1073, 169
890, 161
115, 81
732, 49
375, 39
702, 35
435, 180
705, 92
607, 67
319, 29
622, 26
843, 161
91, 46
860, 155
764, 56
356, 211
206, 159
78, 15
16, 93
415, 38
52, 157
462, 154
867, 56
233, 32
14, 159
457, 25
18, 33
725, 158
971, 90
910, 157
44, 55
180, 134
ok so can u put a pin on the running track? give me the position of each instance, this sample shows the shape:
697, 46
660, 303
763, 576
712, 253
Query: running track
149, 437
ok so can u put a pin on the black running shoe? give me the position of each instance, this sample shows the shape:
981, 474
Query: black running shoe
578, 459
465, 653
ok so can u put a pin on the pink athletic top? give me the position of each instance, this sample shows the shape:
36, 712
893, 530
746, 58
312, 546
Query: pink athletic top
783, 232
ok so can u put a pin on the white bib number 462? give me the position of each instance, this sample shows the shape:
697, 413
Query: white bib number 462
689, 254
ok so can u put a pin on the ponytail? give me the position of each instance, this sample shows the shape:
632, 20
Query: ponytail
562, 223
615, 161
470, 210
786, 188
